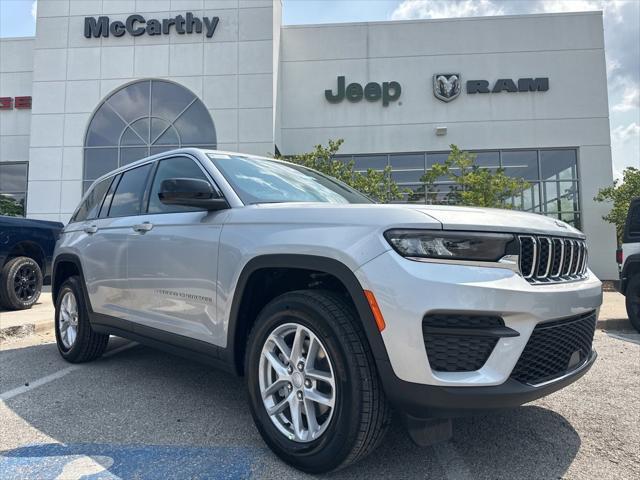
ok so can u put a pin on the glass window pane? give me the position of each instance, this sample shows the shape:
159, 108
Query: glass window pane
558, 164
441, 193
415, 195
179, 167
433, 158
132, 101
156, 150
99, 161
168, 100
561, 196
13, 177
105, 128
522, 164
131, 137
90, 206
407, 176
128, 197
131, 154
365, 162
408, 161
195, 125
487, 159
141, 127
168, 137
12, 204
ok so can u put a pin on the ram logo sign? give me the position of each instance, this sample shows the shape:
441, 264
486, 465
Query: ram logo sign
446, 86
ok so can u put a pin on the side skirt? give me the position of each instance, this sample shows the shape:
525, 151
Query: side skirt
180, 345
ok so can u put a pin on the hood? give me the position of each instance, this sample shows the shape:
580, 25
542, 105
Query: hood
406, 216
497, 220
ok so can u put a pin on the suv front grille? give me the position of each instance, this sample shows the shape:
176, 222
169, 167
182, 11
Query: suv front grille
555, 348
546, 259
456, 343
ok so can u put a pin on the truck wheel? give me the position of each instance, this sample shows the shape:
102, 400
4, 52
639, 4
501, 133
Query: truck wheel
20, 283
77, 342
313, 387
633, 301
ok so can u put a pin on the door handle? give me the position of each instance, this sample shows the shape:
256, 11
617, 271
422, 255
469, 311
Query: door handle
143, 227
91, 229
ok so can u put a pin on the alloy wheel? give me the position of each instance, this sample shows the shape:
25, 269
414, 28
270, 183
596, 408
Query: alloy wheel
25, 283
297, 382
68, 319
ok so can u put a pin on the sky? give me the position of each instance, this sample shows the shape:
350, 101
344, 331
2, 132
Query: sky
621, 31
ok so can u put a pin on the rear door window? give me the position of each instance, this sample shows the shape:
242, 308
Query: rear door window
90, 207
127, 199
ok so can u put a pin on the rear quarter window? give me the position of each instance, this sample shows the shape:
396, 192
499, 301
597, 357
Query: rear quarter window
90, 206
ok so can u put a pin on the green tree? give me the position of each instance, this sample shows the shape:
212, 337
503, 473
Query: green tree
10, 207
375, 184
620, 195
472, 184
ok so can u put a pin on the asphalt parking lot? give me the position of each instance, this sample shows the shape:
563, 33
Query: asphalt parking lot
142, 414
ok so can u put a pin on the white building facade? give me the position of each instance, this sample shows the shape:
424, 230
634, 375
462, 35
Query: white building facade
104, 83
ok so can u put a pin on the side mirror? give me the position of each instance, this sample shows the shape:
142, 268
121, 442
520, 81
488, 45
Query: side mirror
191, 192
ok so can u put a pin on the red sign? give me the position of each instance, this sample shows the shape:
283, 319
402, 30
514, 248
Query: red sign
19, 103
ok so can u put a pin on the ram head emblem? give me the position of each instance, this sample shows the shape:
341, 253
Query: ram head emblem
446, 86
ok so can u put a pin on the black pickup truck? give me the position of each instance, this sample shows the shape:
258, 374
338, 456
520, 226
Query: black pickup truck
26, 249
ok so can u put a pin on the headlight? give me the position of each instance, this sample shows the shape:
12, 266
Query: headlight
470, 246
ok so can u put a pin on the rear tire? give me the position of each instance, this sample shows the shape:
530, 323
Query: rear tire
77, 342
20, 283
360, 414
633, 301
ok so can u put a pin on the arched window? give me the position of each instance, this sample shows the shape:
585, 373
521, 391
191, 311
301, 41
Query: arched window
142, 119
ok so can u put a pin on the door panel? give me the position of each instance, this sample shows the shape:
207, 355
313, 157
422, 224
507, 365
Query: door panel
173, 260
105, 251
104, 255
172, 273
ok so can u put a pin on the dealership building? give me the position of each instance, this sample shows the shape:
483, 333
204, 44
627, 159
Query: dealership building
104, 83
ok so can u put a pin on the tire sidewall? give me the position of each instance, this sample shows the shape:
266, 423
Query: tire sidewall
632, 293
16, 264
328, 451
71, 285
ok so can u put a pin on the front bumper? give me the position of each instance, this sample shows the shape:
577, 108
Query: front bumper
429, 401
407, 290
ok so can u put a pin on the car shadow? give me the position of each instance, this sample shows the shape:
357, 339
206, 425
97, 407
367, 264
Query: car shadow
144, 414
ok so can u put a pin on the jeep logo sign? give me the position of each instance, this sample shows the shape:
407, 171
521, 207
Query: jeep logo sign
137, 25
372, 91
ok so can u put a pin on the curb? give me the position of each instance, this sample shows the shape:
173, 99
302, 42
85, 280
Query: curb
24, 330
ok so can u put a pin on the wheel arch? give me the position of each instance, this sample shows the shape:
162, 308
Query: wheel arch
30, 249
240, 324
631, 267
64, 266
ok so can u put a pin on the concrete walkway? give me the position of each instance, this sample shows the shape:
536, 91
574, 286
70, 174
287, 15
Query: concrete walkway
20, 323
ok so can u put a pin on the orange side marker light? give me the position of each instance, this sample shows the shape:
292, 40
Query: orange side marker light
375, 309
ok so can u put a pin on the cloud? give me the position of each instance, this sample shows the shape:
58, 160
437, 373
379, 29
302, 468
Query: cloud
630, 99
411, 9
626, 134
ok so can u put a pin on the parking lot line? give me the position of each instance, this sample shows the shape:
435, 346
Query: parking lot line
56, 375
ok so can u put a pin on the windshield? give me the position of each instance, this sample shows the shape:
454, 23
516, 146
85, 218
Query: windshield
258, 180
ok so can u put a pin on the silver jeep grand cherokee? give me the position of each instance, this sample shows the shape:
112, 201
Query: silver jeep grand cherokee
333, 308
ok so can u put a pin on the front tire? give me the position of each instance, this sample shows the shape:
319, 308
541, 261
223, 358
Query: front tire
20, 283
313, 387
77, 342
633, 301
